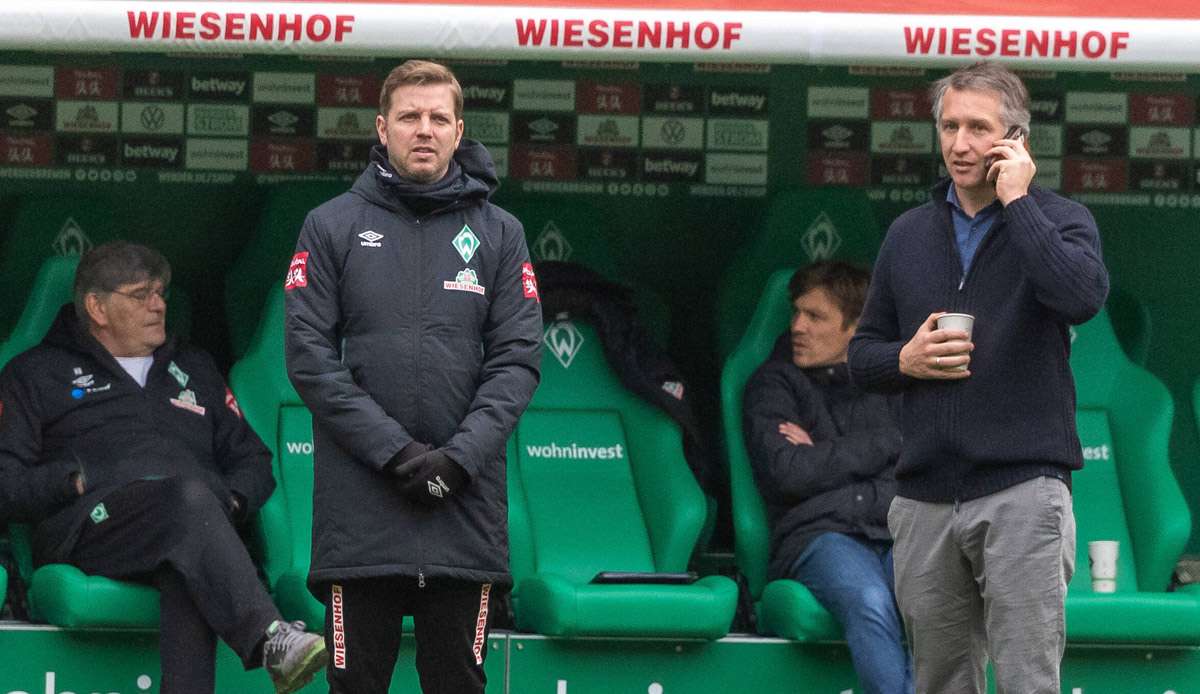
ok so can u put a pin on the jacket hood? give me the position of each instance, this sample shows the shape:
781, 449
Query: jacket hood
66, 332
472, 174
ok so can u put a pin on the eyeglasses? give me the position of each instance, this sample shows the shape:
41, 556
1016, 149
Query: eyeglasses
142, 296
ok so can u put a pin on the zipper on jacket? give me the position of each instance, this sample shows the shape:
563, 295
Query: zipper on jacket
978, 251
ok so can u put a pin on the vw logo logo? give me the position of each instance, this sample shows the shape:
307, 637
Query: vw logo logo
673, 132
153, 118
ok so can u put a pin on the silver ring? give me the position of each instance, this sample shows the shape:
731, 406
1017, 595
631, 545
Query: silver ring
937, 361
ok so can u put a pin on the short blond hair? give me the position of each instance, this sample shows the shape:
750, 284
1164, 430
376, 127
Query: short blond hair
418, 72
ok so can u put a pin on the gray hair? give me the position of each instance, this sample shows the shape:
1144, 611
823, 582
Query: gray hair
113, 264
992, 77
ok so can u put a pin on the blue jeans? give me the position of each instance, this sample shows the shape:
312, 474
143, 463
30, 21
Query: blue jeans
853, 579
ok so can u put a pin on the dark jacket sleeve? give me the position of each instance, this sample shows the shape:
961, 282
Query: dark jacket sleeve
874, 354
244, 461
788, 473
512, 338
30, 488
355, 420
1060, 249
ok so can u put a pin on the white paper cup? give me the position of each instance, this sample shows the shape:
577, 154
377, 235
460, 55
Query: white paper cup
1102, 558
957, 321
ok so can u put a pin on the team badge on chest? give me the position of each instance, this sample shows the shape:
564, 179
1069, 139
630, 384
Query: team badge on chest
466, 243
178, 373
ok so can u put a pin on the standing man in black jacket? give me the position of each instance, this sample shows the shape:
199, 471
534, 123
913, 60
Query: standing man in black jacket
413, 335
129, 454
983, 522
823, 452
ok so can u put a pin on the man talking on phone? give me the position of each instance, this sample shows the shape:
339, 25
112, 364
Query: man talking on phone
982, 520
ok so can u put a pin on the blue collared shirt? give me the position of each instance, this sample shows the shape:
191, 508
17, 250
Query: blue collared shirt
969, 231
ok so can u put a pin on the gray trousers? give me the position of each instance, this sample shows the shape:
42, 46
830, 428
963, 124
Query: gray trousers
986, 577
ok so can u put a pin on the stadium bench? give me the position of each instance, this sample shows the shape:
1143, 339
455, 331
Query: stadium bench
1126, 492
61, 594
598, 482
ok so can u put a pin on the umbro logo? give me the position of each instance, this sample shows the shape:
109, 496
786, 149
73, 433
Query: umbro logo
437, 488
370, 239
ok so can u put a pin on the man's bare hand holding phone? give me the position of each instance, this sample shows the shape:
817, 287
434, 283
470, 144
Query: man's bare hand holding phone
1009, 167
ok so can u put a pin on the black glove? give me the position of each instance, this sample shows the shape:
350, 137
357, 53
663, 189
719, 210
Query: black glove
412, 450
430, 478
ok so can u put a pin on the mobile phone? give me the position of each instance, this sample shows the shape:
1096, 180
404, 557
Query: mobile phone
1013, 133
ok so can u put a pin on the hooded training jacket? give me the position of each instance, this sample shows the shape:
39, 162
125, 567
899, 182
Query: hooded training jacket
67, 406
844, 481
1037, 271
412, 315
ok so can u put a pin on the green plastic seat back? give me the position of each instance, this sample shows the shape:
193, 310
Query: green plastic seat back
750, 531
265, 257
597, 477
274, 410
198, 234
51, 289
296, 479
800, 226
1127, 490
589, 234
1099, 506
579, 494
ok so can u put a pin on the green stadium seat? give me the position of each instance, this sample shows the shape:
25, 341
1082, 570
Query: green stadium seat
265, 257
1127, 492
274, 410
799, 226
597, 482
784, 607
588, 234
198, 236
1131, 322
51, 289
60, 594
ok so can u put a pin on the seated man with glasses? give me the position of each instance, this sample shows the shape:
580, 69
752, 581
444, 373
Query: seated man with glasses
128, 453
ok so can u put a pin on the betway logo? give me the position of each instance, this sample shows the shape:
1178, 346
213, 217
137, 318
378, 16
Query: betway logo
167, 154
753, 102
670, 166
216, 85
493, 94
1044, 107
576, 452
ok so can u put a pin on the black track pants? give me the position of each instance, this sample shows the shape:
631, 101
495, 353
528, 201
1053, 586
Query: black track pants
363, 628
174, 533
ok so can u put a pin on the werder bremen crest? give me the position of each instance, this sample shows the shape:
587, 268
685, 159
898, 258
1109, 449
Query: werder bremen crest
465, 243
178, 373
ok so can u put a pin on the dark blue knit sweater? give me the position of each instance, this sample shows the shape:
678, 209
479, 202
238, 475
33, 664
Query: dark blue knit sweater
1036, 272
